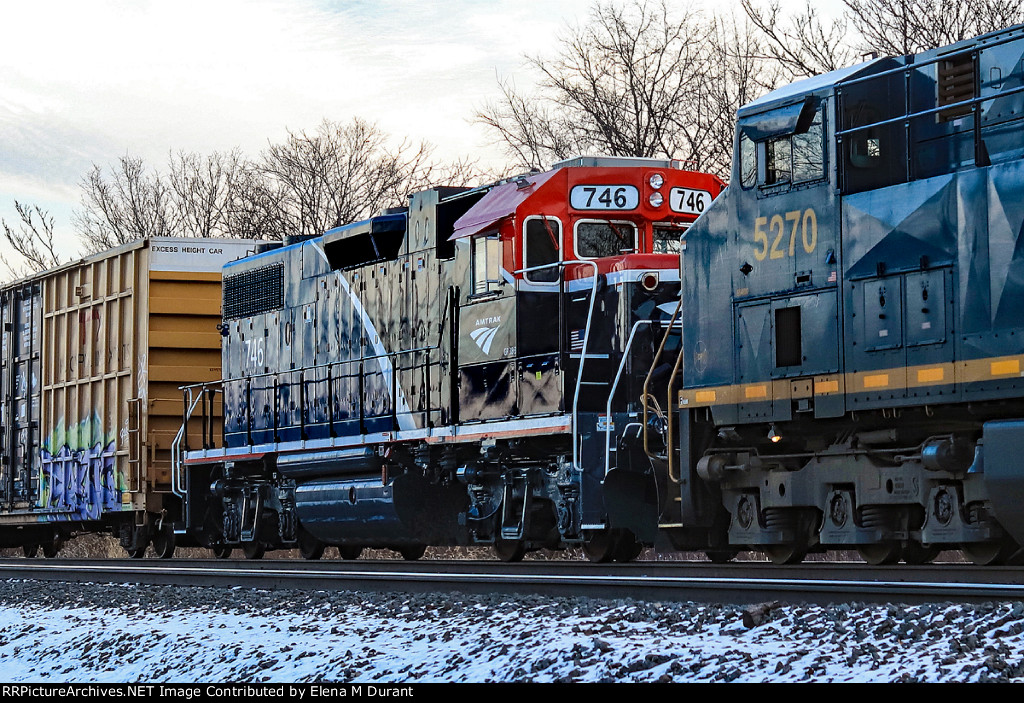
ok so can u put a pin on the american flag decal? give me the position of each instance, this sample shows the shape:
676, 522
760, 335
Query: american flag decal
576, 340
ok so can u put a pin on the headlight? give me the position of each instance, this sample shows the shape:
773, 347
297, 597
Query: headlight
656, 180
656, 199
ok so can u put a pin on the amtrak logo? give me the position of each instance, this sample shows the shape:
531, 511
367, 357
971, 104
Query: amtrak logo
484, 337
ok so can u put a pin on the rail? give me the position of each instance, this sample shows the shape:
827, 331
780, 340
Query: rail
177, 458
908, 117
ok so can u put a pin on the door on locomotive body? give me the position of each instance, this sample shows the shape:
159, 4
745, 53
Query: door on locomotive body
488, 386
785, 268
539, 327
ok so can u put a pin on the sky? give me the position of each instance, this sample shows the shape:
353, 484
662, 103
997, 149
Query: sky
85, 83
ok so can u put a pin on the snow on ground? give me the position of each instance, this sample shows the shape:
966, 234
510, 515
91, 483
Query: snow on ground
103, 634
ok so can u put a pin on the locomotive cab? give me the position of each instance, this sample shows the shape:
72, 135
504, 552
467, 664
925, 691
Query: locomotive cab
560, 271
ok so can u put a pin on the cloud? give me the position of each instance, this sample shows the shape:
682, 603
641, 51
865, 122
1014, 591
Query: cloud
86, 83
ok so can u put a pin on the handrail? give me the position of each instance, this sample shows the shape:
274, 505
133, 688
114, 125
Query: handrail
907, 115
198, 391
611, 393
940, 57
318, 366
583, 352
177, 461
669, 405
654, 365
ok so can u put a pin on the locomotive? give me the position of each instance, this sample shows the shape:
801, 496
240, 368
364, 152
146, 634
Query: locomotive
455, 372
853, 318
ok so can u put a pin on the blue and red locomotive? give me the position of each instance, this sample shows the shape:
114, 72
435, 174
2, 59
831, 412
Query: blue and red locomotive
448, 373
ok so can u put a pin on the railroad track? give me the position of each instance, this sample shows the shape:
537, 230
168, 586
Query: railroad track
738, 583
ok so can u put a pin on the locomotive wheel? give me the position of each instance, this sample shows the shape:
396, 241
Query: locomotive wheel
136, 553
221, 551
881, 553
30, 550
721, 556
254, 550
309, 546
627, 548
989, 553
509, 550
916, 554
600, 547
164, 542
413, 552
781, 554
349, 552
50, 549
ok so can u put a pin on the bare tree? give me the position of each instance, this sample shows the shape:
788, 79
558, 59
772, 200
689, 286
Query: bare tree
897, 27
129, 204
342, 173
801, 44
804, 44
309, 183
203, 190
637, 80
255, 207
32, 239
739, 74
623, 84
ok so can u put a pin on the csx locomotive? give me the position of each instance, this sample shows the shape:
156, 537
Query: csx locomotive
853, 317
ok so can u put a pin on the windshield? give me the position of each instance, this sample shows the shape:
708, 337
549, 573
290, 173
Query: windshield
667, 240
597, 239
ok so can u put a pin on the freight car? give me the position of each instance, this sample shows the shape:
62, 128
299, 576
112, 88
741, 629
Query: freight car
853, 319
92, 356
454, 372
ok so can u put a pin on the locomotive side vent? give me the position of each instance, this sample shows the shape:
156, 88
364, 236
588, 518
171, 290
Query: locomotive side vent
956, 84
253, 292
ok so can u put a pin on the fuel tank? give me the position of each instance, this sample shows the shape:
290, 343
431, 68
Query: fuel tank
367, 512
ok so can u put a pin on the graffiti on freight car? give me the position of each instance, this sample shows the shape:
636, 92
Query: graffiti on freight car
79, 474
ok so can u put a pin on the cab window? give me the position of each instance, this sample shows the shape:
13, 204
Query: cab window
541, 247
788, 159
667, 239
598, 238
778, 161
486, 264
748, 161
808, 152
